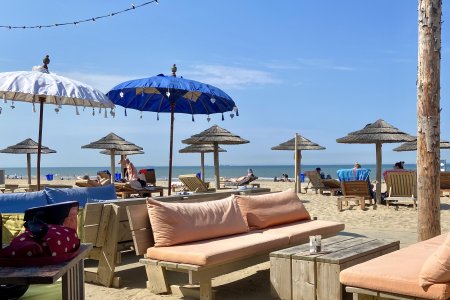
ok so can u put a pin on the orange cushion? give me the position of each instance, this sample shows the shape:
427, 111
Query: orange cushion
398, 272
266, 210
218, 250
299, 232
177, 223
436, 268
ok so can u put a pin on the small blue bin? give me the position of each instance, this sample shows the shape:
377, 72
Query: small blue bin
118, 176
49, 177
302, 177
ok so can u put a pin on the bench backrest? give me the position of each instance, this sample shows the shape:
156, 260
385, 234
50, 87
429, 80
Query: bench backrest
315, 179
150, 176
193, 183
356, 188
445, 180
401, 184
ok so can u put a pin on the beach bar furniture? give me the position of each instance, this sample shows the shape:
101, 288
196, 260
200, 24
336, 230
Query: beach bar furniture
445, 182
295, 273
194, 184
321, 185
402, 188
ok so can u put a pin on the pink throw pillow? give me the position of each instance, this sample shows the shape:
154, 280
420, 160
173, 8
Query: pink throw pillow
177, 223
266, 210
436, 268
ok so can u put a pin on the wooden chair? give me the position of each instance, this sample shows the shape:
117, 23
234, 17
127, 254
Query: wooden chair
358, 191
445, 182
194, 184
402, 188
321, 185
150, 176
125, 190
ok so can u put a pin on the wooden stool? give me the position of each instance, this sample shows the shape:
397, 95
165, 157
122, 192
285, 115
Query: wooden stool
362, 202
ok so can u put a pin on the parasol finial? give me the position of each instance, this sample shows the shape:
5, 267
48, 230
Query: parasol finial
46, 61
174, 70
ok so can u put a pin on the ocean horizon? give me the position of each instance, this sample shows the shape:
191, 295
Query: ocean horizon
264, 172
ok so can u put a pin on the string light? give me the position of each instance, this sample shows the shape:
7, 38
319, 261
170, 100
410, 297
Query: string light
133, 7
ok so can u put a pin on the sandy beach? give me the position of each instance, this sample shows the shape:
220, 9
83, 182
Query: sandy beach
253, 282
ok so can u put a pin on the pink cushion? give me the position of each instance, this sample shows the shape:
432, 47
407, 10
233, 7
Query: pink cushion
177, 223
436, 268
219, 250
266, 210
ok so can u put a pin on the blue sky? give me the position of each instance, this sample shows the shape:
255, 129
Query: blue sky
319, 68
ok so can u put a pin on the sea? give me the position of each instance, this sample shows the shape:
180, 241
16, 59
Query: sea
264, 172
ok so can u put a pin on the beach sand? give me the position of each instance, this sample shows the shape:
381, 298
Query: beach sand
253, 282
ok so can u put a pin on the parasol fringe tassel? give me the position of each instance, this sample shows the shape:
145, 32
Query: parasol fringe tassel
106, 113
34, 107
140, 115
126, 113
157, 117
76, 111
193, 120
223, 118
93, 111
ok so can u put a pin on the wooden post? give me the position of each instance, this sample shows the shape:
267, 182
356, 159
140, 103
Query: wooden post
378, 178
428, 118
38, 163
216, 165
296, 167
202, 160
172, 119
113, 165
29, 167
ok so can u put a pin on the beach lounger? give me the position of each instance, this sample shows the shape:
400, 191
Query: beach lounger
445, 182
125, 190
357, 190
402, 188
321, 185
245, 181
195, 184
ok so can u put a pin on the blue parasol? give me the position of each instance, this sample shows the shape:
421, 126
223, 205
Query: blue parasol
171, 94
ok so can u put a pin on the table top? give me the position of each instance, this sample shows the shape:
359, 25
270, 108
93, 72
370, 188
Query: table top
42, 274
338, 249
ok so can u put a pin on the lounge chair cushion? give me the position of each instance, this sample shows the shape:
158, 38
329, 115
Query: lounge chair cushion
299, 232
80, 194
19, 202
266, 210
218, 250
177, 223
398, 272
436, 268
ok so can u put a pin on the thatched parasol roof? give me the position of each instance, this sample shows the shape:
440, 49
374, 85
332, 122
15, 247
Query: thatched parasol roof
113, 142
122, 152
215, 134
302, 144
27, 146
412, 146
379, 131
200, 148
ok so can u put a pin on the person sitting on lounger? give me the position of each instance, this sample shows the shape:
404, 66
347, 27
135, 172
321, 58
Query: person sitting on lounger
135, 181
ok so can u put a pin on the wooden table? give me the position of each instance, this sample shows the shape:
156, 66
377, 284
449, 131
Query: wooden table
297, 274
9, 187
72, 273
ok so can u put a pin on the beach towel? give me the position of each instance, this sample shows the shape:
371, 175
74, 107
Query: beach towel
353, 174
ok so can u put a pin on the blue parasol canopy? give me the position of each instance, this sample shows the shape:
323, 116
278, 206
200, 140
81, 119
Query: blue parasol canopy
164, 94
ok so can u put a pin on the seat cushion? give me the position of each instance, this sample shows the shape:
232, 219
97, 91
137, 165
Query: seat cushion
19, 202
436, 268
218, 250
177, 223
299, 232
266, 210
81, 194
398, 272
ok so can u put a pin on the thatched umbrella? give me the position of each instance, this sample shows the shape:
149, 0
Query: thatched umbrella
27, 147
302, 144
113, 143
202, 149
377, 133
216, 135
123, 154
412, 146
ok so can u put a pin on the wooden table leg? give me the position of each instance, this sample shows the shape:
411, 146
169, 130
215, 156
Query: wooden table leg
73, 282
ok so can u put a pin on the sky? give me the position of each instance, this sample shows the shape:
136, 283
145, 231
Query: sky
319, 68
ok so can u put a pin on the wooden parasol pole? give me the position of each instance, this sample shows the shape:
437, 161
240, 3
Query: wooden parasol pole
296, 167
172, 118
29, 167
113, 165
428, 118
202, 160
38, 164
216, 164
378, 176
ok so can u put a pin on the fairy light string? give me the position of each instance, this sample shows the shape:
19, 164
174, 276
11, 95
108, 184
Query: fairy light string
133, 7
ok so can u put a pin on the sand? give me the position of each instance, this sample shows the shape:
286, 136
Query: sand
253, 282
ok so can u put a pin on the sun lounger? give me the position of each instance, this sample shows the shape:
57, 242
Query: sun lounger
195, 184
358, 191
125, 190
402, 188
321, 185
244, 181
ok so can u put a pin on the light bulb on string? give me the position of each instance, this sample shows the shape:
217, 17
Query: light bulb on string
121, 94
168, 94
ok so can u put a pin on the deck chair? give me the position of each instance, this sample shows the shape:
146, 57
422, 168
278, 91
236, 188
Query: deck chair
244, 181
402, 188
195, 184
321, 185
445, 182
125, 190
355, 185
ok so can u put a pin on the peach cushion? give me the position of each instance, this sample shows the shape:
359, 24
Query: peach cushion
436, 268
266, 210
299, 232
177, 223
218, 250
398, 272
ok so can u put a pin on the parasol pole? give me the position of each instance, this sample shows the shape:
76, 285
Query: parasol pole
113, 165
202, 159
29, 168
378, 184
172, 118
38, 167
122, 167
296, 168
216, 164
